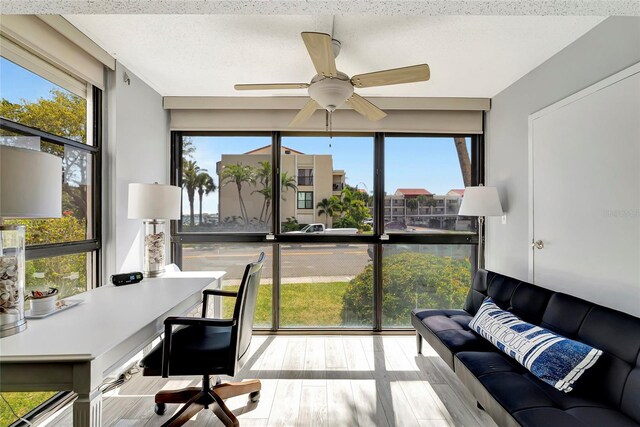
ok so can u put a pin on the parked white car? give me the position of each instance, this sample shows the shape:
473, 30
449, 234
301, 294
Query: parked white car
320, 229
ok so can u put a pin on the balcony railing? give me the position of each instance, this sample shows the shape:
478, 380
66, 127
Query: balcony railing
338, 186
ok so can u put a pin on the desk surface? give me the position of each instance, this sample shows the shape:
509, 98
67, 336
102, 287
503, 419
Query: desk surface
106, 316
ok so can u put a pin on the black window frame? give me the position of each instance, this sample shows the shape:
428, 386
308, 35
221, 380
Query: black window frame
305, 179
91, 246
276, 237
306, 202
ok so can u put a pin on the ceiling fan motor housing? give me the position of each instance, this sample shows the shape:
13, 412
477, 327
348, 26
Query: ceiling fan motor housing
331, 93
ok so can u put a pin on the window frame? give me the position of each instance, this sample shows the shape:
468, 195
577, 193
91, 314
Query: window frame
276, 237
306, 202
305, 180
91, 246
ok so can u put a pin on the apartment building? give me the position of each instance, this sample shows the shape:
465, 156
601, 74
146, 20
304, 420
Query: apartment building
313, 177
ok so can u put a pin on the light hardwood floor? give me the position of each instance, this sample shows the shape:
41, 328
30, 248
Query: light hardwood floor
320, 381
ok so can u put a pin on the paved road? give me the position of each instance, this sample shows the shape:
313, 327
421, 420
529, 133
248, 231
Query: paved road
297, 261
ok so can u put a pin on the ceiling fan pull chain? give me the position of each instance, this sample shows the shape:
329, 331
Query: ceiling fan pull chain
330, 127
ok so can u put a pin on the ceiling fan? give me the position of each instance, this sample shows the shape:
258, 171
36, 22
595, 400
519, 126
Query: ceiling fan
330, 88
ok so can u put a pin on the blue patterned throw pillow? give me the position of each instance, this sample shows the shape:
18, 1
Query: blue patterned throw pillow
553, 358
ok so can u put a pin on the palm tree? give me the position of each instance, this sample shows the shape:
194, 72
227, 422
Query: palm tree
328, 207
263, 175
190, 173
286, 182
239, 174
463, 159
205, 185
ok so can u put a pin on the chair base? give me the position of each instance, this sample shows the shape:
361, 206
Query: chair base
197, 399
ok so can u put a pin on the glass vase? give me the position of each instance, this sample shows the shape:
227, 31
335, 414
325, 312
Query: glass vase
12, 264
153, 256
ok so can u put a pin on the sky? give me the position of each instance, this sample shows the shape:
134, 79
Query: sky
429, 163
24, 84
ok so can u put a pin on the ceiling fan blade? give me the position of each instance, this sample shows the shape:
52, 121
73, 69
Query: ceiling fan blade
365, 108
414, 73
321, 52
306, 112
266, 86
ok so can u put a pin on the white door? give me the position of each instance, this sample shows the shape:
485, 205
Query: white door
585, 193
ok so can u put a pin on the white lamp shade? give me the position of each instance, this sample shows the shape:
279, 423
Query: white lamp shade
30, 183
480, 201
154, 201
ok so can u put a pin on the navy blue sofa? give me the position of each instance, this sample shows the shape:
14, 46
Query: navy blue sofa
608, 394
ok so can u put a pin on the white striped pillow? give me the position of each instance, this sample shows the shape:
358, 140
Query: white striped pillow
553, 358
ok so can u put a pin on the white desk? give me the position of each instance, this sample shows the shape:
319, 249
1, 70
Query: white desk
75, 349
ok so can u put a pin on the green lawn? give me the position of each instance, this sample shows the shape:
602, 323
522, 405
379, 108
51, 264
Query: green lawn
21, 404
303, 304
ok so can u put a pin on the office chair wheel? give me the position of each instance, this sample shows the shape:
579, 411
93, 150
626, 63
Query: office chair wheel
254, 397
160, 408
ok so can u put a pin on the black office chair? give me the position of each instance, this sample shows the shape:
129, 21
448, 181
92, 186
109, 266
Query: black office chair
203, 346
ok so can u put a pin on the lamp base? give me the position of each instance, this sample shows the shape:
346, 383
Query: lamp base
12, 268
13, 328
154, 247
154, 273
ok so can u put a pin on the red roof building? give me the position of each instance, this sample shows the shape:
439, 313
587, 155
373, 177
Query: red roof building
456, 192
412, 193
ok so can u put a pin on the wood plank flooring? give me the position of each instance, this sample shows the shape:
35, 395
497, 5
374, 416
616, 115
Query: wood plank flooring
319, 381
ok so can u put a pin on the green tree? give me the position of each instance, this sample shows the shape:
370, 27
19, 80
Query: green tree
205, 186
328, 207
239, 174
412, 204
353, 215
409, 280
190, 173
286, 183
263, 176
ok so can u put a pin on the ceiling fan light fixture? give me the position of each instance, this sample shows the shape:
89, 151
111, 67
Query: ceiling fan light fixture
331, 93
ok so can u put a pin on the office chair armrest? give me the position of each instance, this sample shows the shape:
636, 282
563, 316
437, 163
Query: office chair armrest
215, 292
169, 322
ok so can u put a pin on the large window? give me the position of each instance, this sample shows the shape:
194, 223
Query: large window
424, 184
347, 248
61, 252
226, 183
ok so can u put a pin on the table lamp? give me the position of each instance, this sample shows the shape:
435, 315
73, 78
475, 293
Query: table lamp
154, 203
30, 187
480, 201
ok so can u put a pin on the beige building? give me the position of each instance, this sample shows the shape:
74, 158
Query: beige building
314, 176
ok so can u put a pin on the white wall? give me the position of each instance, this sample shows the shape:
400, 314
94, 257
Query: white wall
136, 150
610, 47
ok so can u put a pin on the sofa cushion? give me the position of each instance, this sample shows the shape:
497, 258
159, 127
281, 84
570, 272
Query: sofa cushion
529, 302
631, 394
565, 400
564, 314
618, 335
488, 362
547, 417
598, 417
500, 288
553, 358
514, 392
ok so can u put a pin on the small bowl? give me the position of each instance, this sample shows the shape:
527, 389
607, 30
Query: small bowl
43, 305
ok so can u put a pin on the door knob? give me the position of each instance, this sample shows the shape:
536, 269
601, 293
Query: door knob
538, 244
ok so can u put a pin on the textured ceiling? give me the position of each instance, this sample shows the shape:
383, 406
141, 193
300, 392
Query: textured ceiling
204, 55
329, 7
